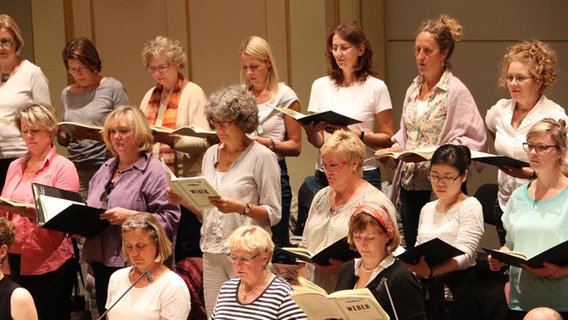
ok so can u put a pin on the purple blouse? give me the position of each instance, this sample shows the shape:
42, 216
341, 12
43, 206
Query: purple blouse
141, 187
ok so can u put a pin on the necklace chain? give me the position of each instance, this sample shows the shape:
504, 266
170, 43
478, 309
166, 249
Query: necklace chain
362, 266
246, 294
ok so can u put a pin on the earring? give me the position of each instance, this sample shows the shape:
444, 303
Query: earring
443, 63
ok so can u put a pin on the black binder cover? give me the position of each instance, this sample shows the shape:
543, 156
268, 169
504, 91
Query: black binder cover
500, 161
339, 250
557, 255
434, 251
330, 117
75, 219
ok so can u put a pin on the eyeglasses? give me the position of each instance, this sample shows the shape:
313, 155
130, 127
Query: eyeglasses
539, 148
161, 68
220, 123
519, 79
234, 259
444, 180
6, 44
106, 193
340, 48
333, 166
81, 69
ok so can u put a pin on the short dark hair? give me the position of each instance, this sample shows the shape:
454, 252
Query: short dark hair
456, 156
83, 50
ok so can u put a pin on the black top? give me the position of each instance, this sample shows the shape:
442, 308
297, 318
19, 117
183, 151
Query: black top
7, 286
405, 290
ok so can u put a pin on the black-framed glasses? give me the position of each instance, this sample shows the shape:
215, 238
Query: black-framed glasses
160, 68
6, 44
539, 148
220, 123
108, 189
444, 180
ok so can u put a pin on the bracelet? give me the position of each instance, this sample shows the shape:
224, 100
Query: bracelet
556, 275
272, 146
362, 135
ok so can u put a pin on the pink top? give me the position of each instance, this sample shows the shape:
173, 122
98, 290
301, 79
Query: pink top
42, 250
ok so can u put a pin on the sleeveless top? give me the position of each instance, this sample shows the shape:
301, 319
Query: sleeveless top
7, 286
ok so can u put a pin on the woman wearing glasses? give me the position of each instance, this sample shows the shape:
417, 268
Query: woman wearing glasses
328, 221
172, 103
458, 220
351, 89
41, 260
528, 68
132, 181
536, 219
21, 83
247, 176
159, 292
89, 100
438, 109
256, 292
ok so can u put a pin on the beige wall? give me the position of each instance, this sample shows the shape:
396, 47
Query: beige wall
211, 32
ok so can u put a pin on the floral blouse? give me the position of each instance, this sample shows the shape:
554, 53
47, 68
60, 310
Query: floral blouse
423, 129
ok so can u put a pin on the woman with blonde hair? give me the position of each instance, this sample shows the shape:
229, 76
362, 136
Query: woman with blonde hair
41, 260
132, 181
279, 133
328, 220
536, 219
256, 291
21, 83
159, 293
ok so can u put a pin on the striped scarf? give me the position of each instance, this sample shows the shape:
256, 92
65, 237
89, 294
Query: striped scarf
169, 121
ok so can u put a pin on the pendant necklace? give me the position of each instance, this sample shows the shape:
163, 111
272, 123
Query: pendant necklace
5, 77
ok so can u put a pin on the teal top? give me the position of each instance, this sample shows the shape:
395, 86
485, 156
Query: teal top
533, 227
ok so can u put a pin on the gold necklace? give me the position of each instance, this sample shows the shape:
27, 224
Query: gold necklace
246, 294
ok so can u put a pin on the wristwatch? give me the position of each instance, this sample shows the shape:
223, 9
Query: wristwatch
247, 210
272, 146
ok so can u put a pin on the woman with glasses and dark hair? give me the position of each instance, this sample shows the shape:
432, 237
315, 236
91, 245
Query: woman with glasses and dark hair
132, 181
89, 100
328, 221
247, 176
528, 68
458, 220
256, 292
536, 219
21, 83
40, 260
438, 108
352, 89
159, 293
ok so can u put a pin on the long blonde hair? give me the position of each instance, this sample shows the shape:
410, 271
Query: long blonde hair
259, 48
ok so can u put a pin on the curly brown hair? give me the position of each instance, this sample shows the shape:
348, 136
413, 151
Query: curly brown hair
537, 55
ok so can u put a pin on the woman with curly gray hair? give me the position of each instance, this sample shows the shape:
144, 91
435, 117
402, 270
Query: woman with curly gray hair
247, 175
528, 68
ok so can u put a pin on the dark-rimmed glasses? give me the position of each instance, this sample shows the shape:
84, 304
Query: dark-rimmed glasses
444, 180
220, 123
539, 148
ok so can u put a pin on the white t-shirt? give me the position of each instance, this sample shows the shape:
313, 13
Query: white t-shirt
509, 142
271, 122
361, 101
462, 227
167, 296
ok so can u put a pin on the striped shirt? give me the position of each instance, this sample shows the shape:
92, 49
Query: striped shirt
273, 303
